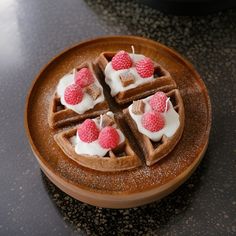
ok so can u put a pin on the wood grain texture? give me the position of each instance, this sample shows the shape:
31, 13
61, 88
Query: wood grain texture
127, 188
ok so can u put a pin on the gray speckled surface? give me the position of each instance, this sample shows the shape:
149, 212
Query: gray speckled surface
32, 32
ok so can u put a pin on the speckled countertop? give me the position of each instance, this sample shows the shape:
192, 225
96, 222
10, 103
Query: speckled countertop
32, 32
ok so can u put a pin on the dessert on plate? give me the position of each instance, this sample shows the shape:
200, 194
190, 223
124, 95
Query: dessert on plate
157, 123
132, 76
120, 179
78, 96
98, 144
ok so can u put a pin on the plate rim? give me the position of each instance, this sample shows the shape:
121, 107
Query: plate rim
117, 197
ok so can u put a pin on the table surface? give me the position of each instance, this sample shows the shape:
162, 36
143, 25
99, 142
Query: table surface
31, 33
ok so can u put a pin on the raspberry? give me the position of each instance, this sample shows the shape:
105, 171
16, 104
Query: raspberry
88, 131
145, 67
73, 94
158, 102
84, 77
108, 137
153, 121
121, 61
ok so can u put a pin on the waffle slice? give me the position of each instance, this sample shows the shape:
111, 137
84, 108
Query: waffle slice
59, 115
155, 151
163, 81
121, 158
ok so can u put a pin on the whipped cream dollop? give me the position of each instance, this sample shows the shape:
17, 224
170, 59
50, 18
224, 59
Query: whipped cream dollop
171, 121
93, 148
112, 77
87, 101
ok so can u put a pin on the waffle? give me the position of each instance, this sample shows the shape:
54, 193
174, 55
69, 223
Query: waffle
155, 151
121, 158
163, 81
59, 115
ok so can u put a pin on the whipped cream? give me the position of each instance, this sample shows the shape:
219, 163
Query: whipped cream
171, 122
87, 101
93, 148
112, 77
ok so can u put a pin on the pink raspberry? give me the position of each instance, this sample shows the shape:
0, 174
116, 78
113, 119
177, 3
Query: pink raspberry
121, 61
88, 131
73, 94
153, 121
84, 77
158, 102
145, 67
108, 137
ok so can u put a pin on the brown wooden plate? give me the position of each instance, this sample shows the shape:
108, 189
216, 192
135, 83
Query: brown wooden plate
126, 188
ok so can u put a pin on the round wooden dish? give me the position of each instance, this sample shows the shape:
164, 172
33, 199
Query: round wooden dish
128, 188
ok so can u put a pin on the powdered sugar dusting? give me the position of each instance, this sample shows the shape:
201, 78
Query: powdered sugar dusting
140, 179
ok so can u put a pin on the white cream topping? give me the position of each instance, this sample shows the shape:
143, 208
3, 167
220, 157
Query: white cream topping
93, 148
112, 77
171, 122
87, 101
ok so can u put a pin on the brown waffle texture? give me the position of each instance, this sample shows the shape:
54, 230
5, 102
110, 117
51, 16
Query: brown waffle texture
163, 81
155, 151
121, 158
59, 115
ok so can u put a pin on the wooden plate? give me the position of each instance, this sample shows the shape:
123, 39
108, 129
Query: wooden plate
128, 188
